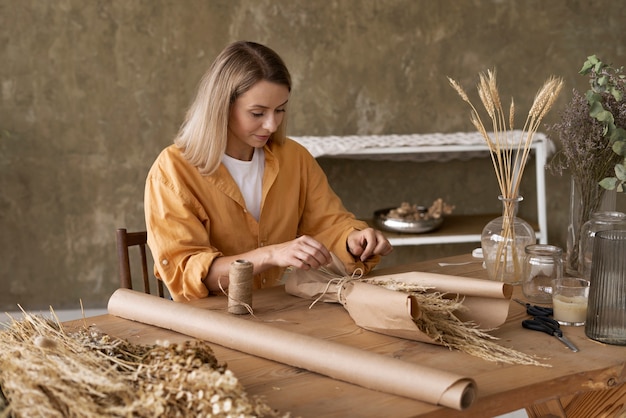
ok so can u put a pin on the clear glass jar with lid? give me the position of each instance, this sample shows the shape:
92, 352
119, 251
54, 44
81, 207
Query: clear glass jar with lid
599, 221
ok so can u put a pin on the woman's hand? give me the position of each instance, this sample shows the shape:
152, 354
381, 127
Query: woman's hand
303, 252
368, 242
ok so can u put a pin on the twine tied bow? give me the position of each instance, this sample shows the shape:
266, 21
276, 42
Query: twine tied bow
338, 280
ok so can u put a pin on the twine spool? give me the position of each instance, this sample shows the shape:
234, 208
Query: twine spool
240, 287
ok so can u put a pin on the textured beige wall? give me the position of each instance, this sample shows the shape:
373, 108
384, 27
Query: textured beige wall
92, 90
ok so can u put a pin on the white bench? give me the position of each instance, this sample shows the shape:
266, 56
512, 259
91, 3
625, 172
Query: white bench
431, 147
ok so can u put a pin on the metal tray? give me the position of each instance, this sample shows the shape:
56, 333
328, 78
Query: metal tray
382, 221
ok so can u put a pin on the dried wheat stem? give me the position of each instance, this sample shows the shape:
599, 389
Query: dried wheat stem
508, 156
439, 322
45, 371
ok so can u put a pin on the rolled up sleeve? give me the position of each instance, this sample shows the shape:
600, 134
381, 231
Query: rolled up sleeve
178, 239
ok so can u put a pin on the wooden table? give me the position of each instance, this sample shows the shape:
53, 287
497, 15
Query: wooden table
582, 383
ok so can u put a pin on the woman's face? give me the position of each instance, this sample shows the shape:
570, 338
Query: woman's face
254, 117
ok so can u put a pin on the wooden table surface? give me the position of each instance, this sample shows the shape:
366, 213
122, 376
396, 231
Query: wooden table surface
585, 382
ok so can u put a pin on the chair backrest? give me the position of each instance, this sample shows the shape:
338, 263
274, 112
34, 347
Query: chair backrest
125, 240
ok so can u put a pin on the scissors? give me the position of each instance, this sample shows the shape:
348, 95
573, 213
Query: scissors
549, 326
535, 310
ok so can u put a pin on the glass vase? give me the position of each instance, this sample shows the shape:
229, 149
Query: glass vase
503, 242
606, 316
586, 198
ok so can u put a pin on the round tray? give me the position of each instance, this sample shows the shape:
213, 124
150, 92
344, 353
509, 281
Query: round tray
403, 225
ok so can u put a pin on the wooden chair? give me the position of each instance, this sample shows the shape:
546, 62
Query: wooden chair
125, 240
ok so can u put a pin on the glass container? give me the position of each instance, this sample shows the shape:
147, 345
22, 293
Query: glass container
570, 296
606, 309
543, 265
600, 221
503, 241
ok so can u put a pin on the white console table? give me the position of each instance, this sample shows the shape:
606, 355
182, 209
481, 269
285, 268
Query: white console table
434, 147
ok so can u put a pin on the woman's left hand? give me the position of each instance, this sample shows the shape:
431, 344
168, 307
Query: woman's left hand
368, 242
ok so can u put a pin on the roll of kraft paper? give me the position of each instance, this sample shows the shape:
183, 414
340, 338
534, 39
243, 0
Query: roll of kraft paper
385, 374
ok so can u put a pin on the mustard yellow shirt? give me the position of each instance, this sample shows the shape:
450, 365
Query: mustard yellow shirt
192, 219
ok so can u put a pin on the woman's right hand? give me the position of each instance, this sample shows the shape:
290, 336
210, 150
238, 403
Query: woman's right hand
303, 252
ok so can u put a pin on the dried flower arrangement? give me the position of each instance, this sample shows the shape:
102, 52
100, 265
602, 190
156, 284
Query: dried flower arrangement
508, 154
45, 371
584, 151
592, 137
438, 318
607, 105
439, 322
412, 212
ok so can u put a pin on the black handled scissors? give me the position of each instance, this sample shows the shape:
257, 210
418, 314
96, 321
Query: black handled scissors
549, 326
535, 310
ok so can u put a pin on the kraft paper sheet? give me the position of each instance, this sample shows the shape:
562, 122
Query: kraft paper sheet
392, 312
338, 361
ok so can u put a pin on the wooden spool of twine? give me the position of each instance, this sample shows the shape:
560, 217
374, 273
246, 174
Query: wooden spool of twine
240, 287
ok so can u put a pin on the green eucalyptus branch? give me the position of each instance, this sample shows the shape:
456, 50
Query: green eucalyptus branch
606, 104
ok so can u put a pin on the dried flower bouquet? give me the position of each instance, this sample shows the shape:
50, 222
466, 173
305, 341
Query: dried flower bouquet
48, 372
592, 137
508, 154
418, 306
440, 322
607, 106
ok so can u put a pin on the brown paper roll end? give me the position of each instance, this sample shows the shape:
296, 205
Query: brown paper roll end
460, 395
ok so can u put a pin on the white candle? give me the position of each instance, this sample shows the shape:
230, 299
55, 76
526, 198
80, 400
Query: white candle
570, 310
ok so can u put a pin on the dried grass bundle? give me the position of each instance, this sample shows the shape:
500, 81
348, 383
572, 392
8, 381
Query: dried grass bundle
439, 322
508, 154
45, 371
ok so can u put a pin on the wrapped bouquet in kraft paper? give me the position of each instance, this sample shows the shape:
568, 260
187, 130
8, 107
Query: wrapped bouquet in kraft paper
456, 312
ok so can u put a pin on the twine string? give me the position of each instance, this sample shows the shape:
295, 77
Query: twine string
240, 291
357, 274
240, 287
231, 299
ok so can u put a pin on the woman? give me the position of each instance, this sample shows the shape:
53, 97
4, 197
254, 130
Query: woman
232, 186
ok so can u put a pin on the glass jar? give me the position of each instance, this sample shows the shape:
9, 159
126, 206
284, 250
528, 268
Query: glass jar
599, 221
503, 241
543, 265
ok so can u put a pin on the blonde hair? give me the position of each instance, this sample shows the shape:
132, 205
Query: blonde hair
203, 135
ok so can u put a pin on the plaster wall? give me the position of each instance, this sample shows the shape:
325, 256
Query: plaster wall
91, 91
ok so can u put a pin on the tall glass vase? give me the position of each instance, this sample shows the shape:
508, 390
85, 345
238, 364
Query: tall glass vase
606, 316
503, 242
586, 198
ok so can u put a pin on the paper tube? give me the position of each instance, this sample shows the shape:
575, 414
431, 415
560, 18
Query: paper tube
338, 361
486, 301
384, 311
391, 312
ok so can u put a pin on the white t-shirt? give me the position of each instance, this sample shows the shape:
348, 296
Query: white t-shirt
249, 177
